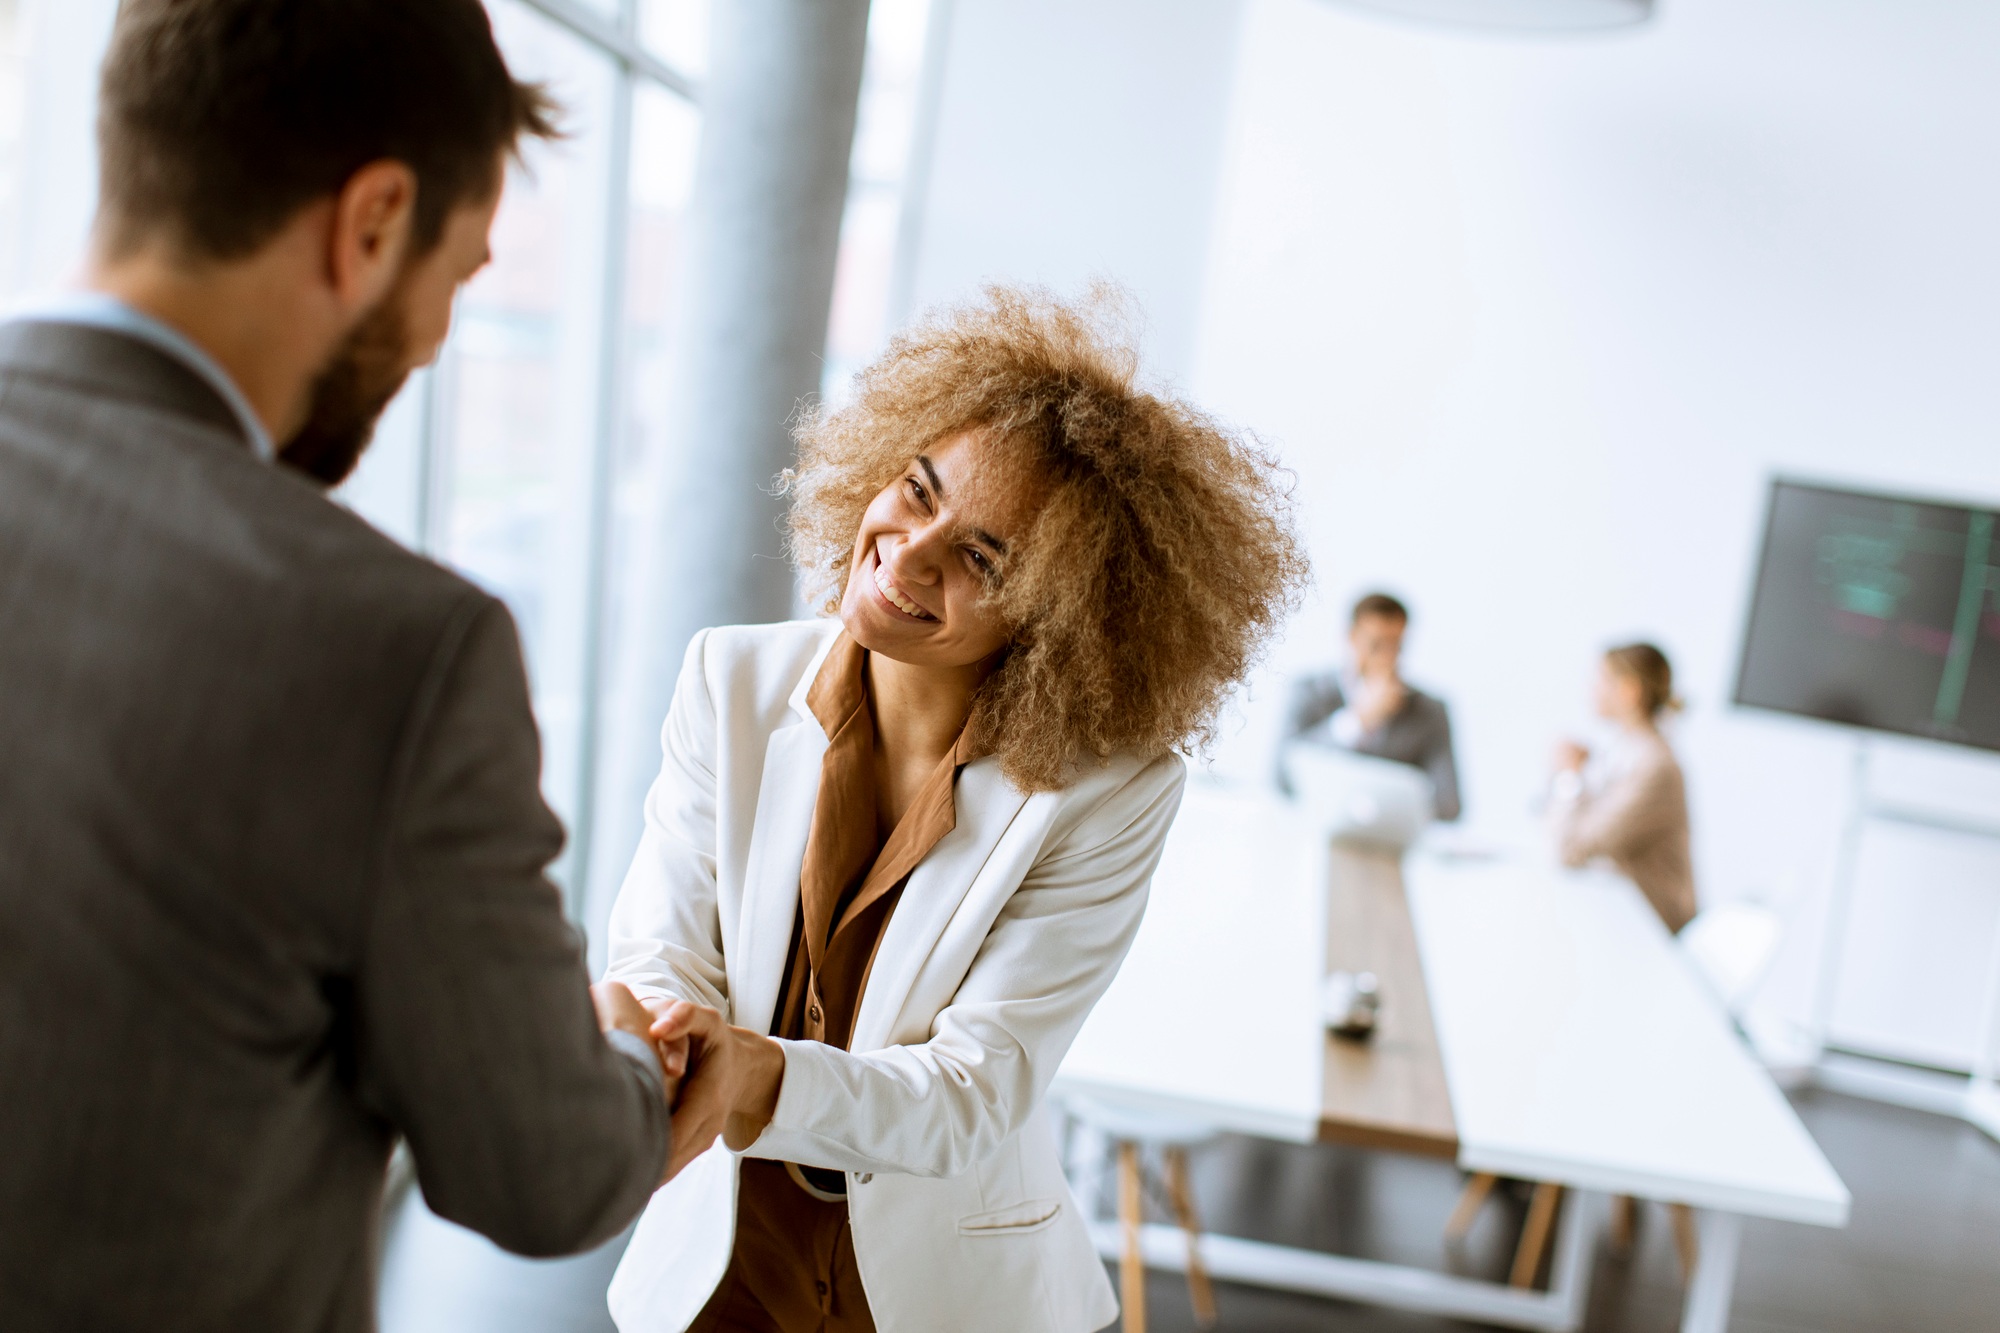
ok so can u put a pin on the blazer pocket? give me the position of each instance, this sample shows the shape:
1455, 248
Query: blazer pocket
1017, 1220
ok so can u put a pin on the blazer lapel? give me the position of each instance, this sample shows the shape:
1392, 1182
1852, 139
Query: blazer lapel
987, 805
785, 801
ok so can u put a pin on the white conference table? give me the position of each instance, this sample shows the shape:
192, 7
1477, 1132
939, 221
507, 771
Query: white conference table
1578, 1048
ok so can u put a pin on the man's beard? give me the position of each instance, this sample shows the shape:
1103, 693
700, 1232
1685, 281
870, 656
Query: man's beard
351, 393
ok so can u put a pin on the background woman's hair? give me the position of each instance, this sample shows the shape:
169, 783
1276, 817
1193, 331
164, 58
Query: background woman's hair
1649, 666
1159, 565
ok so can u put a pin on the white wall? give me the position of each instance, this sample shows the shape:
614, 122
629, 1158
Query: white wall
1079, 139
62, 42
1535, 320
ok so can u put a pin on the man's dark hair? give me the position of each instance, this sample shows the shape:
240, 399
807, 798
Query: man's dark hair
1379, 604
220, 119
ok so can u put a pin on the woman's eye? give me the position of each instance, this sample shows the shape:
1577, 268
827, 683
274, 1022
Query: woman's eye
916, 491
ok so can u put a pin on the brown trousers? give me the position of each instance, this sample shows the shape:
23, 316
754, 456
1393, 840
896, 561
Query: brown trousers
792, 1270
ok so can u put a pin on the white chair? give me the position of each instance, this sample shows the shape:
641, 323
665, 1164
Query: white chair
1102, 1131
1731, 946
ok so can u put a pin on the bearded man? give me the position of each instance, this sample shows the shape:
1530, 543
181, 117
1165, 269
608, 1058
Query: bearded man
272, 846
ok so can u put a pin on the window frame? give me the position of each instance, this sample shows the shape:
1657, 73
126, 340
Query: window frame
615, 36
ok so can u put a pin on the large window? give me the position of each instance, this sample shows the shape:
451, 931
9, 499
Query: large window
527, 457
523, 458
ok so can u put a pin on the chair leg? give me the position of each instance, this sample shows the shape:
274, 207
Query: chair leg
1686, 1241
1200, 1292
1469, 1203
1535, 1235
1624, 1213
1131, 1269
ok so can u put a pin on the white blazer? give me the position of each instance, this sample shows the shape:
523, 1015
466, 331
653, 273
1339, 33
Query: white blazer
1005, 937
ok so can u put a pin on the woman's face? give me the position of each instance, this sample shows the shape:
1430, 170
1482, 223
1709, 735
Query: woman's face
932, 546
1620, 697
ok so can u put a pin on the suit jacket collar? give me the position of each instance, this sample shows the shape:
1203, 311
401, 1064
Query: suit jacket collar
101, 362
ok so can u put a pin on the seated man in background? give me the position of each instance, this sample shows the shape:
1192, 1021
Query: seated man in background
1367, 707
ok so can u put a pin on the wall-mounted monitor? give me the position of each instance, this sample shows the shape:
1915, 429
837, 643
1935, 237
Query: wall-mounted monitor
1877, 611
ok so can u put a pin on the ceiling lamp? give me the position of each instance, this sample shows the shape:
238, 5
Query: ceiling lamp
1517, 15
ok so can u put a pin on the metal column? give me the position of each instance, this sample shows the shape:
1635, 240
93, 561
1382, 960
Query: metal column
778, 111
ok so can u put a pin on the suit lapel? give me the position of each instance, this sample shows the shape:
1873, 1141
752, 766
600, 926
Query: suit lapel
987, 805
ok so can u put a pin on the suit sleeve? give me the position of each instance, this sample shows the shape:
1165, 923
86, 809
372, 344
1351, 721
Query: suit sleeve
1441, 762
477, 1035
1314, 699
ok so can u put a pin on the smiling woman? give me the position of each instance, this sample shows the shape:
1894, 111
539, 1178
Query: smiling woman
1156, 554
895, 856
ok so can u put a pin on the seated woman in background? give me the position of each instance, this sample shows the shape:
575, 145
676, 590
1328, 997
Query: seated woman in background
894, 856
1630, 805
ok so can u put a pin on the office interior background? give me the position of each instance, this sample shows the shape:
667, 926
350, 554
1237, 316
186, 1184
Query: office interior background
1534, 319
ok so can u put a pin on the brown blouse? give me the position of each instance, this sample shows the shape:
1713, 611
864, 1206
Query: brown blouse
793, 1268
852, 879
1639, 822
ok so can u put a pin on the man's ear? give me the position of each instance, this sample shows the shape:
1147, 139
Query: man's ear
374, 217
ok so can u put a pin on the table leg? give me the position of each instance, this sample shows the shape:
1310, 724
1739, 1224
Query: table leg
1467, 1211
1624, 1213
1686, 1243
1707, 1309
1535, 1235
1131, 1263
1200, 1292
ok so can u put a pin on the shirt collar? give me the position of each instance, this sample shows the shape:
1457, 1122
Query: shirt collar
99, 310
840, 690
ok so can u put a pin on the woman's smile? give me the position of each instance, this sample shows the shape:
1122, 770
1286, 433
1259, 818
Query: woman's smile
897, 599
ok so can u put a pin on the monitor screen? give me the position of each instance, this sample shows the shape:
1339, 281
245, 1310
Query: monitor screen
1877, 611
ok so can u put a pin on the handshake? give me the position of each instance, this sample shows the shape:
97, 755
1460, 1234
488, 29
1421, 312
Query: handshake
721, 1081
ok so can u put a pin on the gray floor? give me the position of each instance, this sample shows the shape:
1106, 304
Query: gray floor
1922, 1254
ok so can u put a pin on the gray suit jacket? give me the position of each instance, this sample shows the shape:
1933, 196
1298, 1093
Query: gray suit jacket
271, 884
1419, 734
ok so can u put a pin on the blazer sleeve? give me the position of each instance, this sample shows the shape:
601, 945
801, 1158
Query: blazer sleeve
476, 1035
666, 927
939, 1108
1631, 811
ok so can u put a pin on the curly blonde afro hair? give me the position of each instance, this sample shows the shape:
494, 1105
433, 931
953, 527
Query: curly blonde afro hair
1158, 566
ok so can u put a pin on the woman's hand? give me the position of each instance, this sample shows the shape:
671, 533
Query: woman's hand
731, 1088
617, 1007
1569, 757
673, 1054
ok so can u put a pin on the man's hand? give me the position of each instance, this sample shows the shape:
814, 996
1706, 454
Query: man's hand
732, 1090
1380, 697
618, 1007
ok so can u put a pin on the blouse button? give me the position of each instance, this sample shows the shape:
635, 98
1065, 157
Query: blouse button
813, 1013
